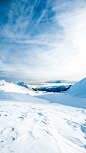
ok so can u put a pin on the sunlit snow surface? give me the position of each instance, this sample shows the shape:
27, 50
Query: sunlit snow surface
41, 124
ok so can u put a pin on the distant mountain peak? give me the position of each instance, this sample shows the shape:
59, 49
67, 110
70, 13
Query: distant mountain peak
55, 81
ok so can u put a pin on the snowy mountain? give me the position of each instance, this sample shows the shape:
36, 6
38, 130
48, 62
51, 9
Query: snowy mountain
11, 87
53, 88
38, 122
78, 89
47, 87
16, 88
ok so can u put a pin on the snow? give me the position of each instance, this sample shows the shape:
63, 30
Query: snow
11, 87
50, 123
79, 89
64, 99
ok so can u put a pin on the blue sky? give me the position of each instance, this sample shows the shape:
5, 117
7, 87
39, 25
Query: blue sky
42, 40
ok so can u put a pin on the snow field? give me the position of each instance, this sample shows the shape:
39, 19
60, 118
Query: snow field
64, 99
47, 123
39, 128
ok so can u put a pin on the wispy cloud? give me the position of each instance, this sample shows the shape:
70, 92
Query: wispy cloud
44, 40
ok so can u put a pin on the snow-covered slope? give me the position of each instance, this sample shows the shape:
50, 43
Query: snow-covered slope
78, 89
11, 87
40, 124
64, 99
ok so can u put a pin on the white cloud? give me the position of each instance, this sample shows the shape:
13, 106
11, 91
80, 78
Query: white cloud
58, 53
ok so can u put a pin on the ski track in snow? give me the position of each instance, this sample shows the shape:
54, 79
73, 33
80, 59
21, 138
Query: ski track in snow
39, 128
